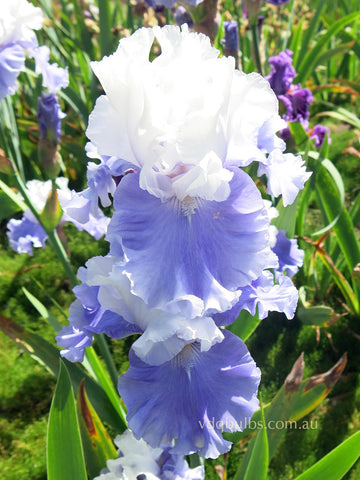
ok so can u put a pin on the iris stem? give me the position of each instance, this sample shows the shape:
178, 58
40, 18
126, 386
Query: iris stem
254, 33
105, 352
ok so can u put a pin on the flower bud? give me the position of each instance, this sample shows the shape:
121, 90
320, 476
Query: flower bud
49, 118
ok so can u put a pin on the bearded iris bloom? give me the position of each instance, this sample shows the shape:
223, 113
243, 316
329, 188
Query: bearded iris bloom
190, 238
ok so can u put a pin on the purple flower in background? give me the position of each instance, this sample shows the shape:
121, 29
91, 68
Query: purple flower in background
296, 99
49, 117
24, 234
282, 72
297, 102
192, 398
231, 40
182, 16
171, 3
318, 135
160, 3
277, 2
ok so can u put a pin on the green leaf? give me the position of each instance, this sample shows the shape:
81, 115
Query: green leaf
287, 218
106, 38
296, 39
343, 115
332, 203
255, 464
337, 179
91, 361
81, 29
321, 315
299, 134
311, 59
341, 49
309, 35
336, 463
42, 310
13, 196
105, 381
65, 456
7, 206
295, 399
98, 447
51, 215
244, 325
351, 298
304, 200
5, 163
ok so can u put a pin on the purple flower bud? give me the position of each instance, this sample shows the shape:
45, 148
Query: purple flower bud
318, 135
160, 3
49, 117
231, 41
277, 2
282, 72
183, 16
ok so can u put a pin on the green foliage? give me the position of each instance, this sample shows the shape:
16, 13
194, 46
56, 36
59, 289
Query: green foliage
98, 447
336, 463
65, 456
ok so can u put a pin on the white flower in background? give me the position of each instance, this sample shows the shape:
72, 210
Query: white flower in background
18, 19
26, 233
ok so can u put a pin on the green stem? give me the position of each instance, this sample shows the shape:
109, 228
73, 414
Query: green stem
105, 381
288, 30
62, 256
106, 37
256, 48
105, 352
52, 234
